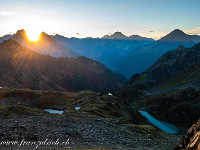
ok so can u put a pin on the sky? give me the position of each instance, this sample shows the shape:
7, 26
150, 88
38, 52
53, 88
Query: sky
95, 18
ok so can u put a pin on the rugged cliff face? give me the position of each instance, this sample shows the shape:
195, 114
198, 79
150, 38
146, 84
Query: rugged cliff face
23, 68
191, 141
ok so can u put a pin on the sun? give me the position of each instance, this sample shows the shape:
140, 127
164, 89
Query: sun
33, 35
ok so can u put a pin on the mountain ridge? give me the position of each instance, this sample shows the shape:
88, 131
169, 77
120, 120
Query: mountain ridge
24, 68
120, 36
45, 44
177, 35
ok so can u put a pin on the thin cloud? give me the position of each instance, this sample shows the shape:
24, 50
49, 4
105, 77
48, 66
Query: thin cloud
146, 31
194, 31
7, 13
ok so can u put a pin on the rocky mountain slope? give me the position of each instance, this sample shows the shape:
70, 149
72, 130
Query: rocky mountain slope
170, 88
45, 45
176, 68
141, 58
23, 68
106, 51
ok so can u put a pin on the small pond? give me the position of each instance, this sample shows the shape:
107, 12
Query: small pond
54, 111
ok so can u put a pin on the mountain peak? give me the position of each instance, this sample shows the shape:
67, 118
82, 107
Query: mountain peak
177, 35
116, 35
21, 32
45, 35
177, 31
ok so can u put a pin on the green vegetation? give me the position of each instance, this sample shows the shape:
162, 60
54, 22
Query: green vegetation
92, 105
17, 110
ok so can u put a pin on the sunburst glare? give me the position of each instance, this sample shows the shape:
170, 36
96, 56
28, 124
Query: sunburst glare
32, 34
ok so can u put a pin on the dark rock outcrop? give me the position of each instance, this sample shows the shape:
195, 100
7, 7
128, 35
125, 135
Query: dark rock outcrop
191, 141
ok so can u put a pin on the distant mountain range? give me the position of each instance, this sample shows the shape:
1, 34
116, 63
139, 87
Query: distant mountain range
107, 51
120, 36
127, 55
142, 57
122, 54
24, 68
45, 45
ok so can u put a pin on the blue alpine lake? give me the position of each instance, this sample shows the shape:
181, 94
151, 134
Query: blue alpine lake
164, 126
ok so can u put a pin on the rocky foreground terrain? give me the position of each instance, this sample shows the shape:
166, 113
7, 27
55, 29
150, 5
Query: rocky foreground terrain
83, 134
102, 122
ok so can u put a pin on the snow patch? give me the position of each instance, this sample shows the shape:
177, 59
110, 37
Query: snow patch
110, 94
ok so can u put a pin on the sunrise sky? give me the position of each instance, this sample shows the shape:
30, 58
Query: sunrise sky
99, 17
